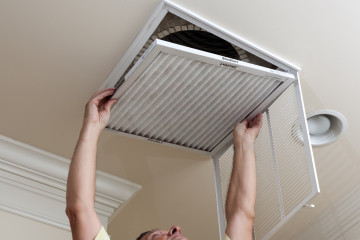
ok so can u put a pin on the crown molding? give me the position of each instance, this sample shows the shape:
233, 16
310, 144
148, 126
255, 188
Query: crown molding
33, 185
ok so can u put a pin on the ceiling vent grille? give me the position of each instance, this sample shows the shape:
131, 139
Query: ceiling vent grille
185, 82
285, 180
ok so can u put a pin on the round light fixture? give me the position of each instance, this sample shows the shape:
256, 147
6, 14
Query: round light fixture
325, 126
318, 124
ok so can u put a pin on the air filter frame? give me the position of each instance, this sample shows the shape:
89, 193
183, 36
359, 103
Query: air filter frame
162, 47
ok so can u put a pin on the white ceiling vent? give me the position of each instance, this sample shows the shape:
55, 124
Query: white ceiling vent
185, 82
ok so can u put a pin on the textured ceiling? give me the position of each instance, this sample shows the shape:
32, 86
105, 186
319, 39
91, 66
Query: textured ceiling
55, 54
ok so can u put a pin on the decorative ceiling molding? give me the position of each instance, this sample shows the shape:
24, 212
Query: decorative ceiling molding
33, 185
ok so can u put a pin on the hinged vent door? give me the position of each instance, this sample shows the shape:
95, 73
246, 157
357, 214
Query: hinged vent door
286, 176
190, 98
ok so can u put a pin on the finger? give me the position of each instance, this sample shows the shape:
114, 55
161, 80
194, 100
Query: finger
252, 122
97, 97
109, 104
256, 122
100, 92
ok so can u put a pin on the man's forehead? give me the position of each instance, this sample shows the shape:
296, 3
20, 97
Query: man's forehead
152, 231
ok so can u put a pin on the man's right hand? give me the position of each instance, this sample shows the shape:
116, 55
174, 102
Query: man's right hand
246, 132
97, 111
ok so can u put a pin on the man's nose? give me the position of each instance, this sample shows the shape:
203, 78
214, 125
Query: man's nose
173, 230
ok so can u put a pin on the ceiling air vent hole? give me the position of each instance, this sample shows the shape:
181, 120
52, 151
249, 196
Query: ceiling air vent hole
179, 31
195, 37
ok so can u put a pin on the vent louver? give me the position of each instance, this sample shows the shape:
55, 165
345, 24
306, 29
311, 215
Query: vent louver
284, 172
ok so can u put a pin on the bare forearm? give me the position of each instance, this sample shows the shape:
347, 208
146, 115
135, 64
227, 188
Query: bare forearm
80, 195
242, 188
240, 201
81, 179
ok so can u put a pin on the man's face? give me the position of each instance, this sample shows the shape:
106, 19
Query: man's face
173, 234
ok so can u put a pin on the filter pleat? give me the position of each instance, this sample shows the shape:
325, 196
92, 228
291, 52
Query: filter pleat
124, 99
240, 90
151, 90
167, 114
196, 105
150, 118
172, 111
227, 126
218, 124
159, 90
216, 104
123, 103
187, 111
233, 116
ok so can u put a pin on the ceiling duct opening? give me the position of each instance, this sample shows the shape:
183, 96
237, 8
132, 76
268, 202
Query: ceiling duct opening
203, 41
176, 30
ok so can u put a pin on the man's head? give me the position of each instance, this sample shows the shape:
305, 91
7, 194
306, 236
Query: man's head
173, 234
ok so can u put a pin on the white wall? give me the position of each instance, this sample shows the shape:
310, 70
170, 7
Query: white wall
14, 227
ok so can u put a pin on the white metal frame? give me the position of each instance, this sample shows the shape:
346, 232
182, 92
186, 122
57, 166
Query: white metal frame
219, 199
311, 163
275, 165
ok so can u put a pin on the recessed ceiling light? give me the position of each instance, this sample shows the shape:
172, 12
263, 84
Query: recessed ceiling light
325, 126
318, 124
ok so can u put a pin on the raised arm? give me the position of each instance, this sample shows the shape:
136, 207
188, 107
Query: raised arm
240, 201
80, 194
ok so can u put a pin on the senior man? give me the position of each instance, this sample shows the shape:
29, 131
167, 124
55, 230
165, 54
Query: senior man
80, 197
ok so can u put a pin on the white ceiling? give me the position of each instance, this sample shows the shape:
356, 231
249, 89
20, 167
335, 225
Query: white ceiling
55, 54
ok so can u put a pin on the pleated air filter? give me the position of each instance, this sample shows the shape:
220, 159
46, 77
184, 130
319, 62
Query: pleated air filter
190, 98
185, 82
